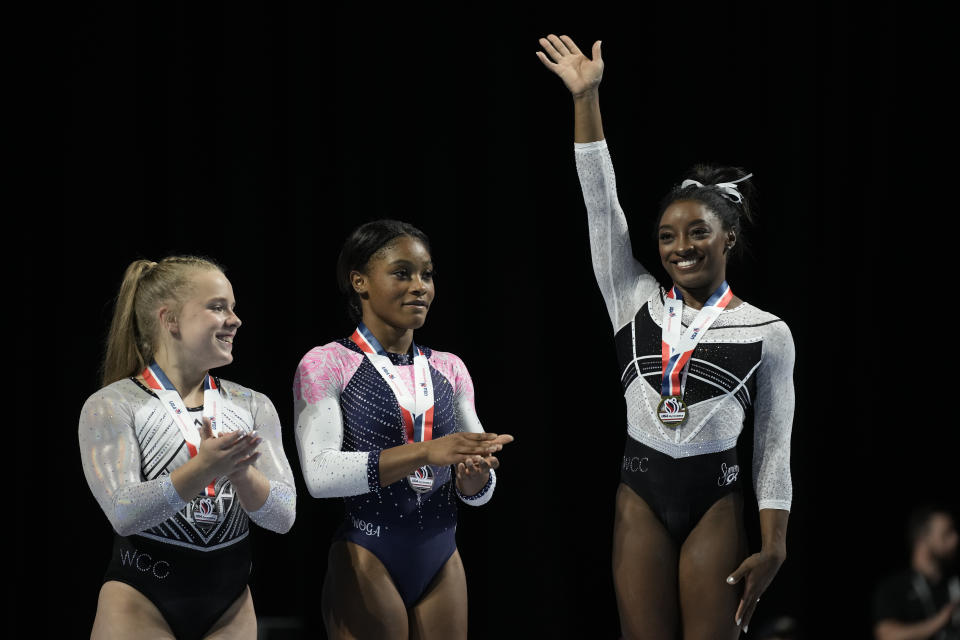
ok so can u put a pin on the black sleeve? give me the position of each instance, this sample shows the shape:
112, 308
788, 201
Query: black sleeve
890, 600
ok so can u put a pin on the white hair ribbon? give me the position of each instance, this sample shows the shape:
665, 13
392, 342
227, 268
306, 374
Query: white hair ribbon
728, 189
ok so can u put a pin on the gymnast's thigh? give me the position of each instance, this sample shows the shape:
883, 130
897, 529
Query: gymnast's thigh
238, 622
644, 571
359, 598
123, 612
715, 547
441, 613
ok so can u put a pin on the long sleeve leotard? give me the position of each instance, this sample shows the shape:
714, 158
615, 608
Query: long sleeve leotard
745, 360
129, 444
345, 416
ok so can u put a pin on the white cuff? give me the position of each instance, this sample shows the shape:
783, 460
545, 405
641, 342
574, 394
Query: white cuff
590, 146
481, 497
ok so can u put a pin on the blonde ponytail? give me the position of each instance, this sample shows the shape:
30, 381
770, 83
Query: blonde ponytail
145, 288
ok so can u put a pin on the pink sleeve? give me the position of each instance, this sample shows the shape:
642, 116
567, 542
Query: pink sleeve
324, 372
455, 371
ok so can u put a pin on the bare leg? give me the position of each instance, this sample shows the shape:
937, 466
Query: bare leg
359, 598
123, 612
715, 547
442, 611
644, 571
239, 621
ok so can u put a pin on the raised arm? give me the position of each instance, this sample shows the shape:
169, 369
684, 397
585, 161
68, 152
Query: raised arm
623, 281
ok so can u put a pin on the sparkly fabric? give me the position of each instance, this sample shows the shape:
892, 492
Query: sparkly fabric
345, 414
483, 496
129, 444
744, 362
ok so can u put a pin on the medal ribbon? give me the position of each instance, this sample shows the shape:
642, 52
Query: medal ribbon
416, 408
170, 398
676, 349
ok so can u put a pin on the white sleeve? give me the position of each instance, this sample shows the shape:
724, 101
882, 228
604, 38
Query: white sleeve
111, 463
280, 509
328, 471
623, 281
466, 419
773, 420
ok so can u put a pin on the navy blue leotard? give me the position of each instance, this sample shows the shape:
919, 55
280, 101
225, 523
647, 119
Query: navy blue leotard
345, 415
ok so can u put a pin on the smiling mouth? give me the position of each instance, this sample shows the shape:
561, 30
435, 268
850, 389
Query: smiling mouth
687, 263
226, 339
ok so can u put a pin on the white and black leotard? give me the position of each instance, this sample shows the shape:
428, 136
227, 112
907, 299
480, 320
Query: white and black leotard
191, 566
744, 361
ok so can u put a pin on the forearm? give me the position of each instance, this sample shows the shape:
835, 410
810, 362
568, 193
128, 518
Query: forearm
271, 504
396, 463
893, 630
190, 478
143, 505
252, 488
587, 124
773, 531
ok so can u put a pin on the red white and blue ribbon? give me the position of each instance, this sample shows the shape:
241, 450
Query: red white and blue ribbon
170, 398
416, 408
676, 349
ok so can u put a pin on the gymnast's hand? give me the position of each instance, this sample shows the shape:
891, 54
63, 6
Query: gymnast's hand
759, 570
578, 72
472, 476
228, 453
463, 447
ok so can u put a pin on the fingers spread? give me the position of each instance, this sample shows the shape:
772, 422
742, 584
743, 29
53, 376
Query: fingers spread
571, 46
550, 49
546, 63
558, 45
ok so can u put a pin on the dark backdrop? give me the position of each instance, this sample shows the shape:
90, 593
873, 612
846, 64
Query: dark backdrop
262, 136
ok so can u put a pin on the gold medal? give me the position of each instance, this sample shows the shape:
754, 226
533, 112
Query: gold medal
672, 412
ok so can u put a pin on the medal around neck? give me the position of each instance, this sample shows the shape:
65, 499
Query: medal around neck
205, 509
676, 349
672, 412
416, 409
422, 479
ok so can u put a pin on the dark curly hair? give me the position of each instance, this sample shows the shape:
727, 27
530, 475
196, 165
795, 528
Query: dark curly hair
731, 213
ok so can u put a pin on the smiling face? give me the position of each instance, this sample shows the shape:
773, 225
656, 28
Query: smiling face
202, 330
396, 288
693, 246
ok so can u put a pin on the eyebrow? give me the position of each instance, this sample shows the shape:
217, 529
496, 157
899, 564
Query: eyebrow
692, 222
402, 262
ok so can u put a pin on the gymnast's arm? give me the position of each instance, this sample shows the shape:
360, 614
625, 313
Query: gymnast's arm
265, 488
889, 629
623, 281
111, 463
475, 482
773, 424
329, 471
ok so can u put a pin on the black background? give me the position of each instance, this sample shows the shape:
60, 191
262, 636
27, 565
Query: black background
262, 136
